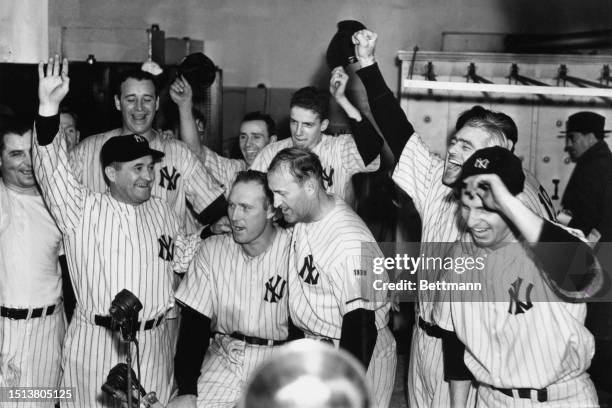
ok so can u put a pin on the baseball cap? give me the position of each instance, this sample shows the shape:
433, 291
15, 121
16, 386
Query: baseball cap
341, 50
587, 122
126, 148
495, 160
198, 70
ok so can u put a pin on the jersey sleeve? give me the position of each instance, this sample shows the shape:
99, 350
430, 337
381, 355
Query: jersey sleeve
416, 171
5, 207
355, 279
61, 191
195, 290
222, 169
537, 199
200, 188
185, 249
263, 159
76, 157
351, 159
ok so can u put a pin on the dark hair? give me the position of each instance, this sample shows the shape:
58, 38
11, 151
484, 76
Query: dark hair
267, 119
257, 177
495, 123
69, 111
301, 163
136, 74
312, 99
18, 125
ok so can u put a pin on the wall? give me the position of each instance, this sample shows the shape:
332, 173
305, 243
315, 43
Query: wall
281, 43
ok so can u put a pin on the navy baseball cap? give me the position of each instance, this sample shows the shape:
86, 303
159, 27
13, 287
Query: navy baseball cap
127, 148
495, 160
198, 70
587, 122
341, 50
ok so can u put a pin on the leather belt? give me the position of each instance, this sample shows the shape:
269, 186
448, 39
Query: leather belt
541, 395
432, 330
105, 321
256, 341
22, 314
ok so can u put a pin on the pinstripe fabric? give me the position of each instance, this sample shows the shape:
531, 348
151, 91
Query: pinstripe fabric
30, 242
338, 154
180, 175
542, 343
30, 354
240, 294
419, 174
109, 246
331, 275
222, 169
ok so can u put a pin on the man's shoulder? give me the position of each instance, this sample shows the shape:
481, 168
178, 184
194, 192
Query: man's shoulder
217, 248
276, 147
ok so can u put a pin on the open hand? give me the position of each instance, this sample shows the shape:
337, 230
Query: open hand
52, 85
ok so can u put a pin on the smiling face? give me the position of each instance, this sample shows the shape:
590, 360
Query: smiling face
253, 137
138, 103
462, 145
16, 160
248, 211
131, 182
487, 228
306, 127
291, 197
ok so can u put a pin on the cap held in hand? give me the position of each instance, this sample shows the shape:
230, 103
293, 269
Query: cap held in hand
495, 160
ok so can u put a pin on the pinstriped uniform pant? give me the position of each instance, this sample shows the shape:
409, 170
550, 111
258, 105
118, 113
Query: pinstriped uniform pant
90, 352
30, 353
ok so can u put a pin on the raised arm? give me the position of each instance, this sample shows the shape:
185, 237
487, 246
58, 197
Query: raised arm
368, 143
182, 94
60, 189
387, 112
559, 252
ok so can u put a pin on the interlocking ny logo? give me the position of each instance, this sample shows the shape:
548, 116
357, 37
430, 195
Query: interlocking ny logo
309, 273
481, 163
273, 292
516, 306
169, 178
327, 177
166, 247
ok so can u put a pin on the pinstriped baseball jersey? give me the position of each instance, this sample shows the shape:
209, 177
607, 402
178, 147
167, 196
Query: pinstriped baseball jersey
419, 174
30, 349
517, 332
109, 246
222, 169
239, 292
338, 154
179, 175
332, 273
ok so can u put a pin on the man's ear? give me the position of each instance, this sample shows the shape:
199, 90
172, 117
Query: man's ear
310, 186
324, 124
117, 103
111, 173
156, 104
273, 139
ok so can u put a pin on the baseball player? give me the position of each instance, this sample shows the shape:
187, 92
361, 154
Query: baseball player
121, 239
524, 345
236, 287
32, 324
331, 279
428, 180
342, 156
179, 176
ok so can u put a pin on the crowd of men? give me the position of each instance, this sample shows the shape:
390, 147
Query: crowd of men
233, 258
